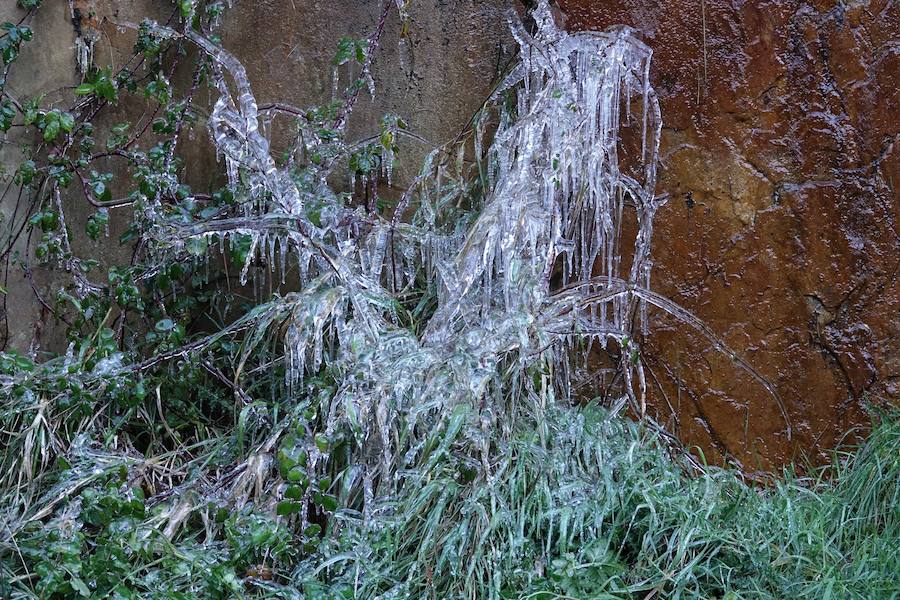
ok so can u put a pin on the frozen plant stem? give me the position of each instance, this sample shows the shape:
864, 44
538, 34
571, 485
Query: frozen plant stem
523, 287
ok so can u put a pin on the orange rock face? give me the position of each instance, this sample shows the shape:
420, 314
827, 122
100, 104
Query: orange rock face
781, 152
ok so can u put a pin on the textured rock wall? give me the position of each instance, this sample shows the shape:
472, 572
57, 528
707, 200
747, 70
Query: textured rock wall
781, 152
36, 71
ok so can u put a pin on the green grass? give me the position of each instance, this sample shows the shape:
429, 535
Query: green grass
574, 505
599, 510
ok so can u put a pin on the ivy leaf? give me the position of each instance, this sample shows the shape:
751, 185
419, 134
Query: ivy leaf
159, 89
67, 122
186, 7
7, 114
80, 586
25, 173
51, 129
350, 49
12, 40
106, 89
31, 113
287, 508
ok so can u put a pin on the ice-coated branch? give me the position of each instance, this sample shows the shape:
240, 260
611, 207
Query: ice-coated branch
540, 266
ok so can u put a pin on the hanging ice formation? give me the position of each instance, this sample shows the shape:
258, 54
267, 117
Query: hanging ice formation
560, 192
541, 267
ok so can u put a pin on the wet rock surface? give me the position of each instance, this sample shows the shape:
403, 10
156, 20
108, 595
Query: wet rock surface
781, 153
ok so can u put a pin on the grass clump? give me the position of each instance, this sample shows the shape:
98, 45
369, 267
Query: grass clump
584, 506
577, 504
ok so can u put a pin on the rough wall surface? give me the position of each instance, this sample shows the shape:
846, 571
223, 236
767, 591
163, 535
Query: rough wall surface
781, 152
38, 70
453, 55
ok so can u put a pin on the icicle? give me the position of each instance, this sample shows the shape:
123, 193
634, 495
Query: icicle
283, 248
254, 241
270, 252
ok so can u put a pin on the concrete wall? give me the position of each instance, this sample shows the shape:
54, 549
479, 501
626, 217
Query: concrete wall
436, 81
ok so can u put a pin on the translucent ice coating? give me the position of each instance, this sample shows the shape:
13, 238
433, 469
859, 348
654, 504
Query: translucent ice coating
538, 272
559, 193
234, 127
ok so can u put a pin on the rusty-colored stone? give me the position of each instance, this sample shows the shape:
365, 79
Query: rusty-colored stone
780, 152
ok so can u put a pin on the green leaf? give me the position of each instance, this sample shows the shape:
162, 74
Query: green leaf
105, 88
51, 130
294, 492
7, 114
287, 508
328, 502
186, 6
67, 122
296, 475
84, 89
80, 586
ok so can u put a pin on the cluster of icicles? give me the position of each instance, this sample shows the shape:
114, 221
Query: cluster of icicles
537, 274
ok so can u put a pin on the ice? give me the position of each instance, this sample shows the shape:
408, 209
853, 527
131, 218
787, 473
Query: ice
529, 279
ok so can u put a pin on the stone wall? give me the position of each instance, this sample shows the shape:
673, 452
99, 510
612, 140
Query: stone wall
779, 153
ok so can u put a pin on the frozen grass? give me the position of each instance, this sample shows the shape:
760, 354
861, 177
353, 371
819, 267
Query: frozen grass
581, 506
576, 505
